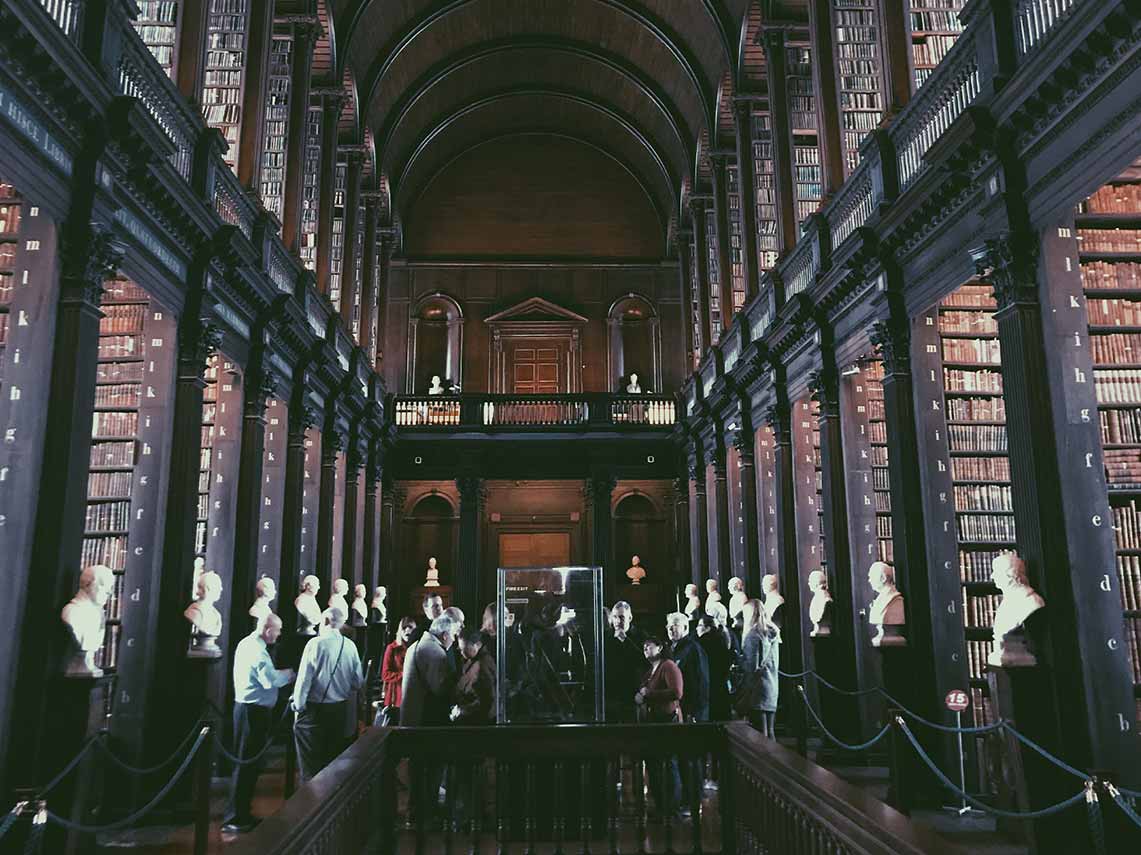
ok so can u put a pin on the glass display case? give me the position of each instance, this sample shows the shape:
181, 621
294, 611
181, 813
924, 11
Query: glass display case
549, 645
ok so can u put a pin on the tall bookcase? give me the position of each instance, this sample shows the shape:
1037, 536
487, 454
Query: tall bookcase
311, 188
859, 73
206, 455
226, 30
808, 187
765, 463
980, 467
696, 310
1108, 226
272, 488
311, 497
10, 203
866, 446
767, 249
273, 167
935, 26
337, 247
714, 276
809, 488
157, 26
736, 245
358, 271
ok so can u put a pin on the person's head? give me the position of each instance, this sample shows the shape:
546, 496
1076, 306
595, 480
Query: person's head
718, 614
621, 617
456, 614
340, 587
817, 581
1008, 571
706, 625
97, 581
433, 606
333, 618
509, 619
880, 576
754, 616
677, 626
769, 584
269, 628
444, 629
406, 630
266, 588
471, 642
310, 585
487, 623
209, 587
652, 648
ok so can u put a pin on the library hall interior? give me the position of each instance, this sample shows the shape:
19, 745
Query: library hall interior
534, 427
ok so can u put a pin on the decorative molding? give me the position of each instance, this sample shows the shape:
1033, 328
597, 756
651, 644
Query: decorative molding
892, 341
1009, 263
89, 260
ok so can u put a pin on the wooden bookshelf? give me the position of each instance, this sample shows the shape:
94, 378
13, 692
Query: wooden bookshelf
935, 26
273, 489
310, 501
157, 26
765, 464
1108, 238
768, 250
206, 454
274, 166
311, 188
337, 246
809, 487
714, 275
808, 189
227, 27
10, 205
736, 246
358, 271
859, 74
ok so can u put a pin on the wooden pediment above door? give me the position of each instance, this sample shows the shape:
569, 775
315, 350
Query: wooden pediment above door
536, 309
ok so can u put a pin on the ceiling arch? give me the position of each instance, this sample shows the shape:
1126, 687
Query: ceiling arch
536, 111
539, 70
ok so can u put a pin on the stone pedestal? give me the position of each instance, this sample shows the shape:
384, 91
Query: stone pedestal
838, 711
196, 677
897, 665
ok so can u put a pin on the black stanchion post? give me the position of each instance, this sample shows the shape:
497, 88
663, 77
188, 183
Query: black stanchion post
898, 758
202, 791
800, 712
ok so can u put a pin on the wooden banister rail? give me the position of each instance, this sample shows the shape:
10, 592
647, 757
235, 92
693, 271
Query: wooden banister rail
486, 412
770, 799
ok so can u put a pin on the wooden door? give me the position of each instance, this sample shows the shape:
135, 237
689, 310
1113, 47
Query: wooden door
538, 549
536, 369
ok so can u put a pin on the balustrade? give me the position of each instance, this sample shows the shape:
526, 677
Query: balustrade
480, 412
1036, 19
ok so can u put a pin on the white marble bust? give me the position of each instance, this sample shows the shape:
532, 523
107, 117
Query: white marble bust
433, 578
770, 591
380, 610
359, 607
636, 572
308, 611
737, 597
692, 600
266, 593
83, 617
712, 595
886, 612
818, 605
337, 600
632, 388
1019, 601
205, 619
436, 388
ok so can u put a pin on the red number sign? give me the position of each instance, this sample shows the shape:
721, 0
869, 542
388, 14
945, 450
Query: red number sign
957, 700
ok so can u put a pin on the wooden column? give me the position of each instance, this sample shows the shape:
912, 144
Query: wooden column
387, 244
698, 518
682, 570
602, 486
305, 30
190, 52
369, 276
301, 418
332, 100
332, 444
685, 287
721, 559
775, 69
779, 417
697, 208
254, 93
827, 99
370, 563
355, 161
895, 53
353, 462
747, 185
387, 550
743, 443
721, 218
468, 593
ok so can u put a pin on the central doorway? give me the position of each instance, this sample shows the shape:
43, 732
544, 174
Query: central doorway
534, 549
537, 368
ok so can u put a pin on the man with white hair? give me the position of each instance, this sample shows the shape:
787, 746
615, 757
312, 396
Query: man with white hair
690, 658
256, 682
426, 691
625, 663
328, 678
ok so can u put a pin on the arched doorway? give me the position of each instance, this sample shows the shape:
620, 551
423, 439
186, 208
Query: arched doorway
435, 343
640, 529
635, 343
430, 531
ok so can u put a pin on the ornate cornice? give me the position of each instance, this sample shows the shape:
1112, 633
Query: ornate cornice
892, 341
89, 259
1009, 263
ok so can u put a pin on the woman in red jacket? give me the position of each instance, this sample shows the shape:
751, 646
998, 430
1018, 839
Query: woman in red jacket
392, 666
660, 699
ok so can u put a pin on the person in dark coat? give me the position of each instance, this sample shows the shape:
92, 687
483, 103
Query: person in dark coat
625, 663
690, 658
714, 640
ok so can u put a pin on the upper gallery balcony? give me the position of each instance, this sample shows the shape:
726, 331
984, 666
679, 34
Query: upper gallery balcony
558, 413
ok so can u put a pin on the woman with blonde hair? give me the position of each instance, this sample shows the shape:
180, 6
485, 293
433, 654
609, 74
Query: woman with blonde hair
760, 660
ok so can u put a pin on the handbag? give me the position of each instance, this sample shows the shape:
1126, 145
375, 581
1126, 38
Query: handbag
387, 716
749, 688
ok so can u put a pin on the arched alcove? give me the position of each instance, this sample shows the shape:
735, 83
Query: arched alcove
635, 343
639, 529
430, 532
435, 343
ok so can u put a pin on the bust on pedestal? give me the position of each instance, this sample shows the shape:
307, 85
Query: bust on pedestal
266, 593
773, 601
436, 388
308, 611
433, 578
737, 597
820, 606
83, 617
337, 598
1019, 602
692, 601
886, 613
636, 572
712, 595
632, 388
205, 619
379, 612
358, 612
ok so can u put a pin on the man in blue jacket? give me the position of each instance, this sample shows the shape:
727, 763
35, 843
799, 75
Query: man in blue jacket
691, 659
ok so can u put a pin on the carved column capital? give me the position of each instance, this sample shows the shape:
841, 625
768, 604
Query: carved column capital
778, 417
824, 387
89, 257
681, 487
1009, 263
743, 443
892, 341
332, 443
201, 339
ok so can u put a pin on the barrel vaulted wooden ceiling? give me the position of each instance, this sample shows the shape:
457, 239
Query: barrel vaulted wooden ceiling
648, 82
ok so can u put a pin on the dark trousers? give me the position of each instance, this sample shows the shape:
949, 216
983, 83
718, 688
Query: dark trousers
665, 783
252, 724
320, 735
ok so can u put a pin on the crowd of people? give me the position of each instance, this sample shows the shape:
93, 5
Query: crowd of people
438, 670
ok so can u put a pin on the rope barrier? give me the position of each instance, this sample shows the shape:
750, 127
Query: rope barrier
39, 823
149, 770
944, 728
1094, 819
1006, 814
10, 818
846, 692
1061, 764
832, 737
233, 758
797, 675
1116, 794
145, 809
54, 782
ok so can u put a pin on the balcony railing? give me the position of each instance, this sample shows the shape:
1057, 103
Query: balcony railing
492, 412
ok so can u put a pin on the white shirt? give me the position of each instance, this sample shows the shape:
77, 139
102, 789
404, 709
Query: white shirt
256, 681
320, 677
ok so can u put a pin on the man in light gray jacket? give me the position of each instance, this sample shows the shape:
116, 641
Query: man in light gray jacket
426, 690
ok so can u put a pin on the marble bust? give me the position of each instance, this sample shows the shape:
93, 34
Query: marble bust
266, 593
379, 610
433, 578
83, 617
773, 601
737, 597
636, 572
205, 619
886, 612
1019, 602
337, 598
436, 388
308, 611
358, 612
819, 607
632, 388
692, 600
712, 595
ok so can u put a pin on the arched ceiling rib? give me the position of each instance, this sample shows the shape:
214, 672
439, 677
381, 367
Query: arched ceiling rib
538, 69
560, 113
